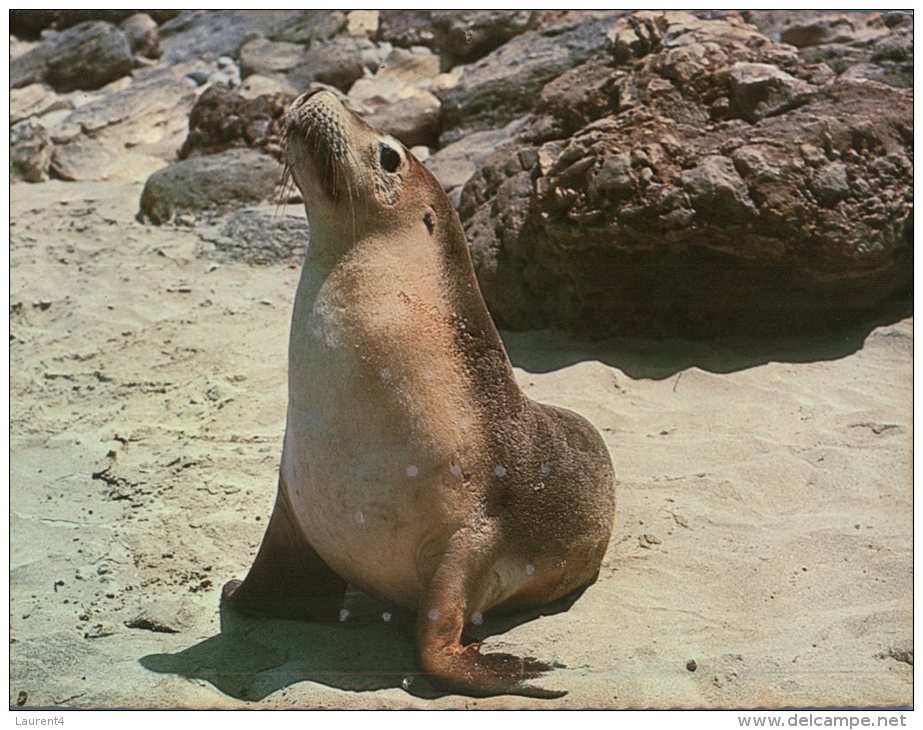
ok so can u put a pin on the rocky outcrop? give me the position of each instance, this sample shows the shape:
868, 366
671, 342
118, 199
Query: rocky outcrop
213, 182
701, 180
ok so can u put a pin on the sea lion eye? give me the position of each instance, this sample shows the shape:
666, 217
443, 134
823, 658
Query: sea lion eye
389, 158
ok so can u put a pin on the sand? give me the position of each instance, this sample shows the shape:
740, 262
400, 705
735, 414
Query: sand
761, 555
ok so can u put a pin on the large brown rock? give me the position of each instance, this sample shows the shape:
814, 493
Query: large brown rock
701, 180
223, 119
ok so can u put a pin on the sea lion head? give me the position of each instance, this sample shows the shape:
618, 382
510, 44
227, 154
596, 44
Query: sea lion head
353, 177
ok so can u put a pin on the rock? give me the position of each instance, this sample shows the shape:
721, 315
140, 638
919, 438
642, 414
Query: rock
257, 85
397, 98
458, 37
862, 44
506, 83
143, 35
223, 119
311, 26
338, 62
149, 117
831, 184
91, 159
30, 23
454, 164
30, 152
406, 28
269, 58
362, 23
35, 100
219, 181
260, 237
208, 34
701, 181
87, 56
758, 90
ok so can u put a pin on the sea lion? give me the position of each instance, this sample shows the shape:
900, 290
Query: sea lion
413, 465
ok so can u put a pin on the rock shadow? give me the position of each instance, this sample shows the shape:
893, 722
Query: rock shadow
372, 649
658, 359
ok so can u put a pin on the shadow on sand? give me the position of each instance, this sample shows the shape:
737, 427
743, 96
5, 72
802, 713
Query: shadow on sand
657, 359
252, 658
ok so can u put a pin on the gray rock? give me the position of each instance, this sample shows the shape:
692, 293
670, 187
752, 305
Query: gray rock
259, 237
30, 152
454, 164
311, 26
87, 56
208, 34
716, 189
506, 83
758, 90
338, 62
831, 184
221, 181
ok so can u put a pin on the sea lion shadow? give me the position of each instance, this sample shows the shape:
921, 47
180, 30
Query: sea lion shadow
252, 658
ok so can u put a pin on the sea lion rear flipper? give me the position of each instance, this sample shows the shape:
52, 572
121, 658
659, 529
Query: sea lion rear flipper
288, 579
450, 663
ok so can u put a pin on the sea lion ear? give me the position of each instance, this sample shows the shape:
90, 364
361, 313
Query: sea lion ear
429, 220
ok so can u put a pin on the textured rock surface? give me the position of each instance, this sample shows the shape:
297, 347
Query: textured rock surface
260, 237
704, 180
222, 119
865, 45
207, 183
506, 83
35, 100
86, 56
30, 152
398, 98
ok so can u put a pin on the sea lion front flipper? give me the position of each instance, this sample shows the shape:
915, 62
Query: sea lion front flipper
288, 579
460, 667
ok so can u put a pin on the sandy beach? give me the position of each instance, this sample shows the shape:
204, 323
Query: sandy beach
761, 555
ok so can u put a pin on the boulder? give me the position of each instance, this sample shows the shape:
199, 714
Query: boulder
458, 37
214, 182
87, 158
506, 83
149, 116
454, 164
311, 26
86, 56
208, 34
398, 100
339, 62
223, 119
30, 152
143, 35
702, 180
